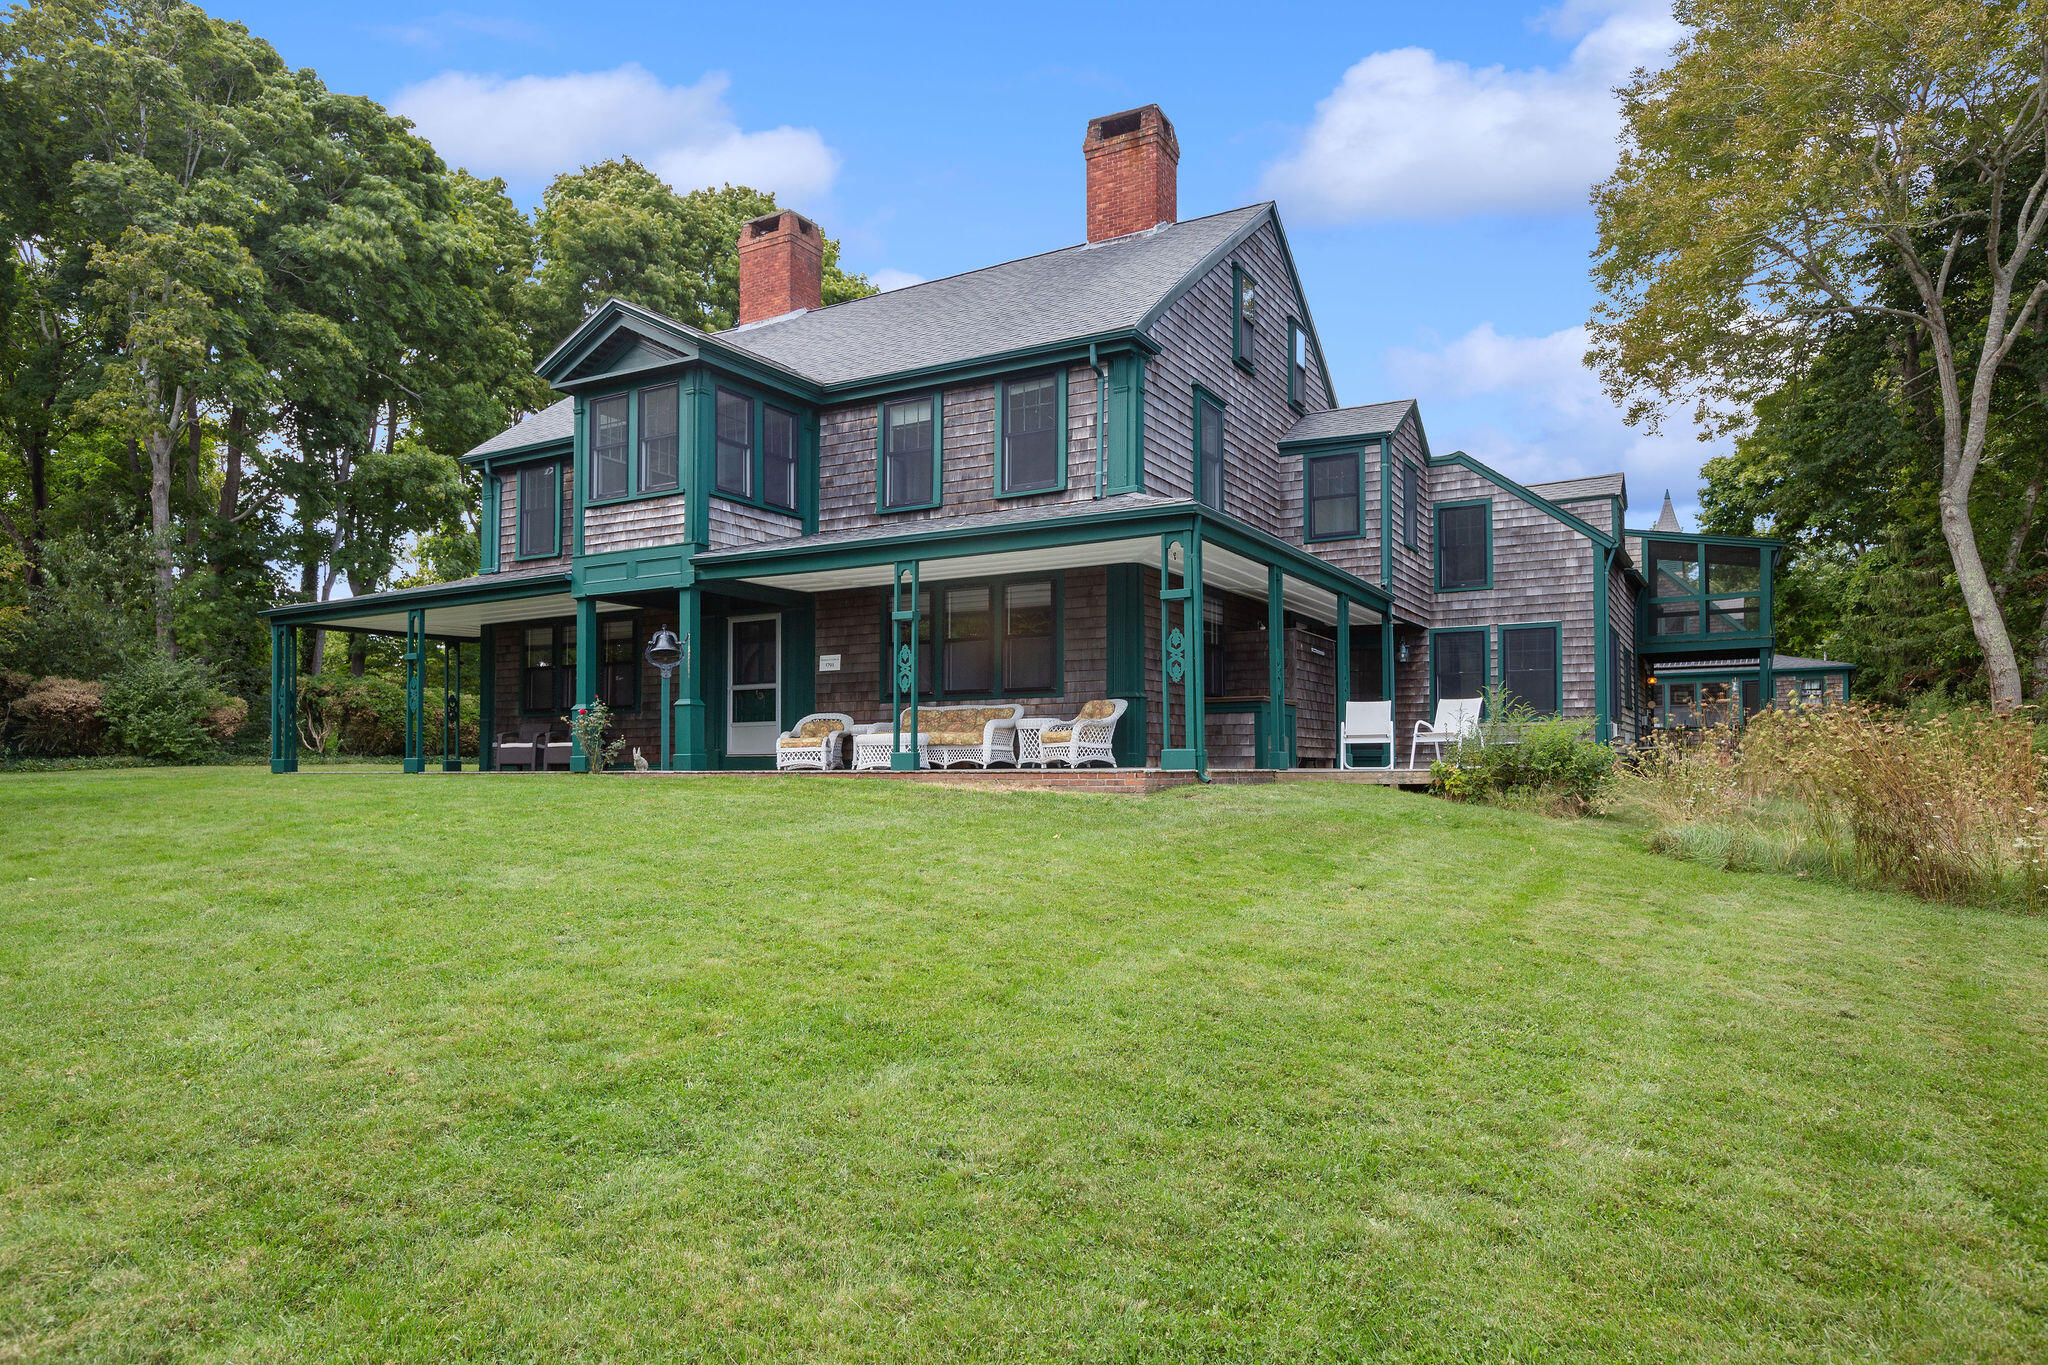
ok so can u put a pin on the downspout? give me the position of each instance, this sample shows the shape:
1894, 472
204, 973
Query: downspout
1101, 387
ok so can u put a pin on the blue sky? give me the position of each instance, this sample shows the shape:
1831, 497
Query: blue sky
1431, 162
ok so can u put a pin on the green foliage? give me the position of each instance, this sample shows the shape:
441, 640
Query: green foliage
348, 715
587, 727
89, 613
166, 709
1520, 758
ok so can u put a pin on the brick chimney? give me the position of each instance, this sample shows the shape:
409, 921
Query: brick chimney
782, 266
1133, 172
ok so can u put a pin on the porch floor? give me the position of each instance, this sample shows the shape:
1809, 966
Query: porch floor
1069, 779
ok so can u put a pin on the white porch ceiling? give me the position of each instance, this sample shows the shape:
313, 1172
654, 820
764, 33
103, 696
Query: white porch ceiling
466, 622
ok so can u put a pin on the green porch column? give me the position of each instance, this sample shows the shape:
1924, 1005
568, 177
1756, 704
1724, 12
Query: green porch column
1126, 664
586, 668
451, 706
1343, 670
486, 699
1181, 650
1387, 668
284, 699
903, 677
415, 691
690, 740
1276, 671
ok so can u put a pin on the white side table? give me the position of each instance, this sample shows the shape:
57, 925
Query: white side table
872, 751
1030, 750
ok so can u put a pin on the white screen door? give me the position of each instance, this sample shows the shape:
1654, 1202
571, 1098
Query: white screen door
753, 703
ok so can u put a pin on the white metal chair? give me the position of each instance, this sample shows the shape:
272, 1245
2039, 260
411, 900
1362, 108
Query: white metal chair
812, 742
1457, 720
1366, 722
1089, 737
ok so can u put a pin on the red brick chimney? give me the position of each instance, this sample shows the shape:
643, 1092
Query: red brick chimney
1133, 172
782, 266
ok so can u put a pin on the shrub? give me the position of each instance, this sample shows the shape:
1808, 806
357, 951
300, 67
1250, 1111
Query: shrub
59, 717
158, 707
587, 725
1552, 764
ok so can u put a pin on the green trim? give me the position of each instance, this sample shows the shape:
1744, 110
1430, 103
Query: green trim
1068, 351
1387, 513
1604, 643
938, 402
434, 595
1357, 530
487, 699
1295, 398
1240, 349
554, 550
490, 523
757, 457
556, 626
1198, 479
1542, 504
634, 635
1124, 669
1123, 429
1411, 502
520, 454
1003, 443
1277, 753
1501, 653
936, 588
1485, 663
1436, 547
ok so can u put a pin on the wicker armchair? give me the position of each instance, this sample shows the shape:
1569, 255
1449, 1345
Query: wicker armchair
813, 742
1089, 737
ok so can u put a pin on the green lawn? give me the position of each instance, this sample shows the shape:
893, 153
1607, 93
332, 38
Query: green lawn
364, 1067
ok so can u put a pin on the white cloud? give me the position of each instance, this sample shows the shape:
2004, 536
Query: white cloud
1529, 407
887, 279
1409, 134
530, 128
432, 31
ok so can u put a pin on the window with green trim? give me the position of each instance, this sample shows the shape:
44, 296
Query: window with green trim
1208, 450
910, 453
1411, 503
1244, 315
618, 662
1529, 667
1330, 489
1457, 663
1297, 363
1031, 422
608, 458
991, 638
1691, 584
778, 458
540, 511
733, 460
547, 665
658, 439
1464, 546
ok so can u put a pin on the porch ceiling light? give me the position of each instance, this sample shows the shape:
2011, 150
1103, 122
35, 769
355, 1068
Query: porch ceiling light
664, 651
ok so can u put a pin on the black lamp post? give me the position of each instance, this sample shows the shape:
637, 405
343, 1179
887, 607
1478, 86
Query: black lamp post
665, 652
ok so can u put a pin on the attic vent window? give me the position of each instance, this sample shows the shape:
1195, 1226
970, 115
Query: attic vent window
1121, 124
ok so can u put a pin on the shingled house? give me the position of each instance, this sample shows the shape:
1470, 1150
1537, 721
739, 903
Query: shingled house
1115, 470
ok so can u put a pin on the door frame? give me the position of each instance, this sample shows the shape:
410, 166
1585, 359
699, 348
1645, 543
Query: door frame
729, 687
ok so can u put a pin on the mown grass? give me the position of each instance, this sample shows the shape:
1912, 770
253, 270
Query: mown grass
363, 1067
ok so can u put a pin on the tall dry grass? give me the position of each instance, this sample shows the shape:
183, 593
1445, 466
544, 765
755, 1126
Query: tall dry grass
1952, 808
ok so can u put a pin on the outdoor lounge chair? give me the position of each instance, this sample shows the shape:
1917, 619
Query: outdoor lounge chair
520, 748
1457, 719
1088, 738
1366, 722
813, 742
558, 751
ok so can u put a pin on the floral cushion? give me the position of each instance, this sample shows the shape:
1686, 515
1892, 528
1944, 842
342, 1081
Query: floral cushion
814, 730
799, 742
956, 718
963, 739
1055, 736
1097, 710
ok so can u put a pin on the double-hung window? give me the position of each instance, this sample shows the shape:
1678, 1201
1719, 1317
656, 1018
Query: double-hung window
618, 663
1529, 667
1208, 450
1297, 363
1031, 435
1464, 546
995, 638
608, 455
1244, 315
910, 453
1330, 485
658, 463
547, 669
540, 511
778, 458
1215, 650
1457, 663
733, 461
1411, 503
1030, 652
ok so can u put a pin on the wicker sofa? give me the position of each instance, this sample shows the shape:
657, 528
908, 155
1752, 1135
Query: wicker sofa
981, 735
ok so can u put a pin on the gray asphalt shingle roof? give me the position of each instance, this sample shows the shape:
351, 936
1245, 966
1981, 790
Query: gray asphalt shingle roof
1077, 291
1368, 419
1592, 486
555, 422
1793, 663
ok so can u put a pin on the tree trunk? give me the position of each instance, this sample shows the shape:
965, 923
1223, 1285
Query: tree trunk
162, 450
2041, 659
36, 454
316, 650
2001, 664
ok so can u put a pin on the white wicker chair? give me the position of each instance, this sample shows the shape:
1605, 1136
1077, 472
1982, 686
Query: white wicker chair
996, 742
1457, 719
1089, 737
812, 742
1365, 723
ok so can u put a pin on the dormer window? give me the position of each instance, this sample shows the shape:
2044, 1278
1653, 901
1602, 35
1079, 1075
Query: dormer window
735, 454
1032, 451
608, 447
910, 454
1244, 315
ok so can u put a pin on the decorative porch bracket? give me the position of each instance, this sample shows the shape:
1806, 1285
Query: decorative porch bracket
451, 706
1180, 552
903, 651
284, 699
415, 691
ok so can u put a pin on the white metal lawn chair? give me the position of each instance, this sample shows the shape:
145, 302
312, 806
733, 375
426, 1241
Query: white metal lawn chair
1366, 722
1457, 720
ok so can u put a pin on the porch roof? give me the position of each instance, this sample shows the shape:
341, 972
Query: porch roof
1117, 530
458, 610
